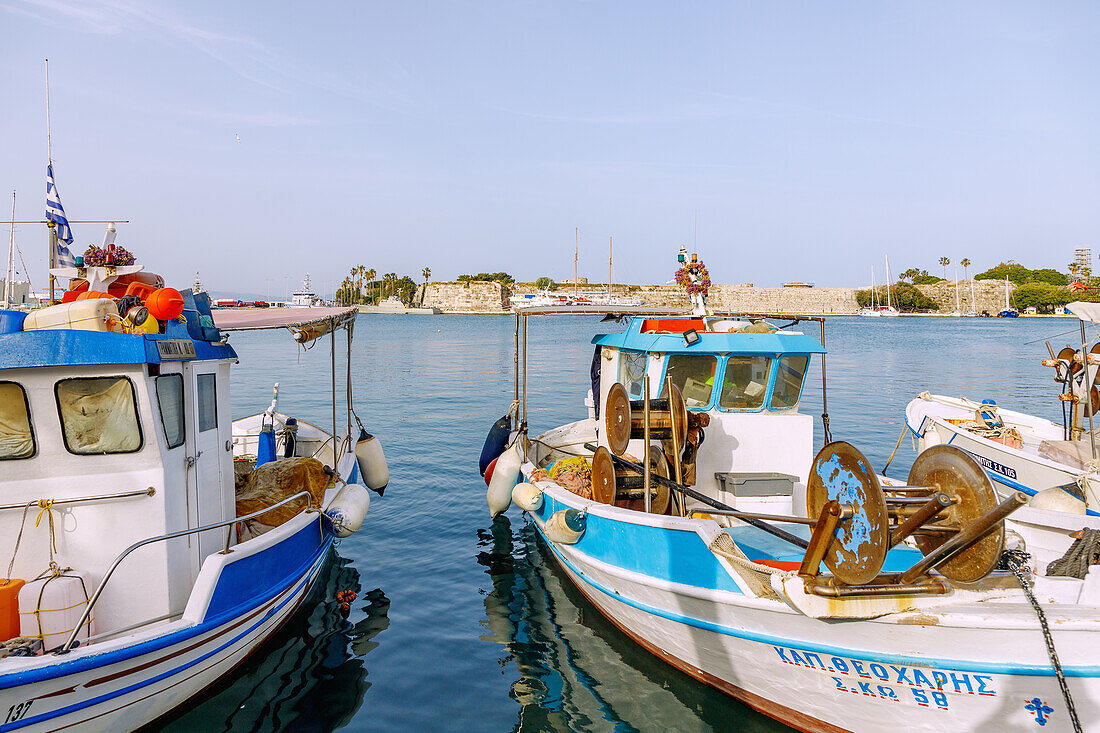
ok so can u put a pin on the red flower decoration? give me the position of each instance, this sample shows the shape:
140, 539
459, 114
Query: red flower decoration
700, 284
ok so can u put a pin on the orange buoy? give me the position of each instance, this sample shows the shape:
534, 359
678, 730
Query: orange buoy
165, 304
93, 294
9, 608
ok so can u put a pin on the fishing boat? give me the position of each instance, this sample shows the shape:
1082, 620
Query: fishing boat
155, 542
689, 508
1054, 463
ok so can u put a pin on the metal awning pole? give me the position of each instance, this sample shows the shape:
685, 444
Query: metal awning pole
645, 437
347, 414
335, 457
1088, 389
523, 427
824, 391
515, 393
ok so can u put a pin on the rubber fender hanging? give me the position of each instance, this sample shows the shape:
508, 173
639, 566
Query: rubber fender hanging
505, 476
495, 442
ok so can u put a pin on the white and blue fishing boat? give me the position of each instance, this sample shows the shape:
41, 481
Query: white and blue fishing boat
688, 506
151, 542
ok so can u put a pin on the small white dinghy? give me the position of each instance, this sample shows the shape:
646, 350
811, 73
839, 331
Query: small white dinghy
161, 541
689, 508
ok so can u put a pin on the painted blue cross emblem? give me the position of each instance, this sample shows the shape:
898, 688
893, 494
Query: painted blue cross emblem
1040, 708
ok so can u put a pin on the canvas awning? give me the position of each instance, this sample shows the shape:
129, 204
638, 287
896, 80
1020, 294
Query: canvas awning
1085, 311
307, 324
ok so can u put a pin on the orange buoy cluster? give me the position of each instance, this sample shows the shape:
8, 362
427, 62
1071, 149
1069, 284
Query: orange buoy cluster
142, 300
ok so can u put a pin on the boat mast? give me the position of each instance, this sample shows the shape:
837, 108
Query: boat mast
872, 287
49, 159
576, 254
887, 282
11, 251
973, 306
958, 308
1007, 306
609, 252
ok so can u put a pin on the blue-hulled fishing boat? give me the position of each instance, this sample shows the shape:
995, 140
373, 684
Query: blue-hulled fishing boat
154, 541
689, 507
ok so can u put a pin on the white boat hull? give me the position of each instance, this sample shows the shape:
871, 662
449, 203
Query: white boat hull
933, 670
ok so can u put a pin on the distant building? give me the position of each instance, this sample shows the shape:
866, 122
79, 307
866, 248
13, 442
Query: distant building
571, 281
797, 284
1083, 257
20, 293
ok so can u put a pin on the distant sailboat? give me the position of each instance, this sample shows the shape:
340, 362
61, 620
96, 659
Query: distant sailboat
871, 311
957, 313
973, 312
888, 310
1009, 311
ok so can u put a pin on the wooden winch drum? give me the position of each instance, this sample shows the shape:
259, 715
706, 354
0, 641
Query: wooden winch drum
624, 419
623, 485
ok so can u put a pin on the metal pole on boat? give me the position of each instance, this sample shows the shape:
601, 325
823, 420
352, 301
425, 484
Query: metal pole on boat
523, 428
347, 413
645, 437
335, 457
11, 249
824, 391
515, 394
676, 438
1088, 389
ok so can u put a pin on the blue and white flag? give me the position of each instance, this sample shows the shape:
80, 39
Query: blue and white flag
55, 212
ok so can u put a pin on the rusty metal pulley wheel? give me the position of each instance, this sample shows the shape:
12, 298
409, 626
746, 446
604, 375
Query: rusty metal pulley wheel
953, 472
603, 476
860, 543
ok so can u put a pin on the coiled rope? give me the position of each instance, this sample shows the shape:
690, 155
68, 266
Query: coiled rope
1016, 561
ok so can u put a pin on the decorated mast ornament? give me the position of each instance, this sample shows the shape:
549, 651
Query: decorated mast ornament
694, 278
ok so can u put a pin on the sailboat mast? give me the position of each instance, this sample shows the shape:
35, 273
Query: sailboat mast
11, 251
887, 282
609, 252
872, 287
49, 159
958, 308
576, 255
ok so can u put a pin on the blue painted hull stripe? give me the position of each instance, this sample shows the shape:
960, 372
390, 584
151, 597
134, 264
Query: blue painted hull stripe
152, 645
315, 568
954, 664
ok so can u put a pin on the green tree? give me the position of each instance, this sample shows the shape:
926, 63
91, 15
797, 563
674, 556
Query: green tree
924, 278
965, 262
909, 274
944, 262
545, 283
1043, 296
1019, 274
908, 298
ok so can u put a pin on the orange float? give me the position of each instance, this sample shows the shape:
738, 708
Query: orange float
92, 295
9, 608
165, 304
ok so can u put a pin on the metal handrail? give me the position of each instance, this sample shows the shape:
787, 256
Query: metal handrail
171, 535
54, 502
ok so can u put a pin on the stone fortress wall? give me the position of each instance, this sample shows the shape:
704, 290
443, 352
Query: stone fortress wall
492, 297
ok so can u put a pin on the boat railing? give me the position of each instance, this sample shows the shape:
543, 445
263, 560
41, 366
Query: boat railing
68, 645
45, 503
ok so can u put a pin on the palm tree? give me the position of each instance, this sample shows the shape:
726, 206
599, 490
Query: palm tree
370, 275
944, 262
1073, 268
427, 273
965, 262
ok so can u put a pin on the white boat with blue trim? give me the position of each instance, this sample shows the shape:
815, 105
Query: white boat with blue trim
1055, 464
689, 508
155, 542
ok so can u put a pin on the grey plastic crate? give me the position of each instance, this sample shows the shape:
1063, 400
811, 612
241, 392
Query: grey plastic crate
765, 483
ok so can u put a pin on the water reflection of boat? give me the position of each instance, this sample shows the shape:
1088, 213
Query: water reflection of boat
310, 674
576, 671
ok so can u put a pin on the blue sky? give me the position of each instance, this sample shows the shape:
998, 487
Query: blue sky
811, 137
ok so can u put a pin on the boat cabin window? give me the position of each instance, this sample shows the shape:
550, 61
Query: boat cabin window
98, 415
208, 402
631, 371
170, 401
694, 375
16, 436
745, 382
788, 381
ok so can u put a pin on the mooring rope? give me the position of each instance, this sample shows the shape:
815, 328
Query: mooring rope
897, 445
1084, 552
1016, 561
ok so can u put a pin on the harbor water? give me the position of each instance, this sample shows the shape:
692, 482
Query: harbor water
463, 623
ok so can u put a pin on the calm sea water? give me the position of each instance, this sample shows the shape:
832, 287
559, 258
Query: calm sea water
462, 623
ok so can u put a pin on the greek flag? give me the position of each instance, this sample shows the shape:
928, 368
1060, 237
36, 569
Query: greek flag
55, 212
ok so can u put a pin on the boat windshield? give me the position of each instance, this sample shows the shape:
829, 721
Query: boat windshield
631, 371
745, 382
788, 381
694, 375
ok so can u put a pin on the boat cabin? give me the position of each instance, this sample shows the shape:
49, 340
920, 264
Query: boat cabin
748, 377
107, 439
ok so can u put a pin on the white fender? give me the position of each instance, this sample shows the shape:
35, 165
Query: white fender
565, 526
527, 497
372, 462
505, 476
348, 509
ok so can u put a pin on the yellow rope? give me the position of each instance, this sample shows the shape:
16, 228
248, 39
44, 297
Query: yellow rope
46, 507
